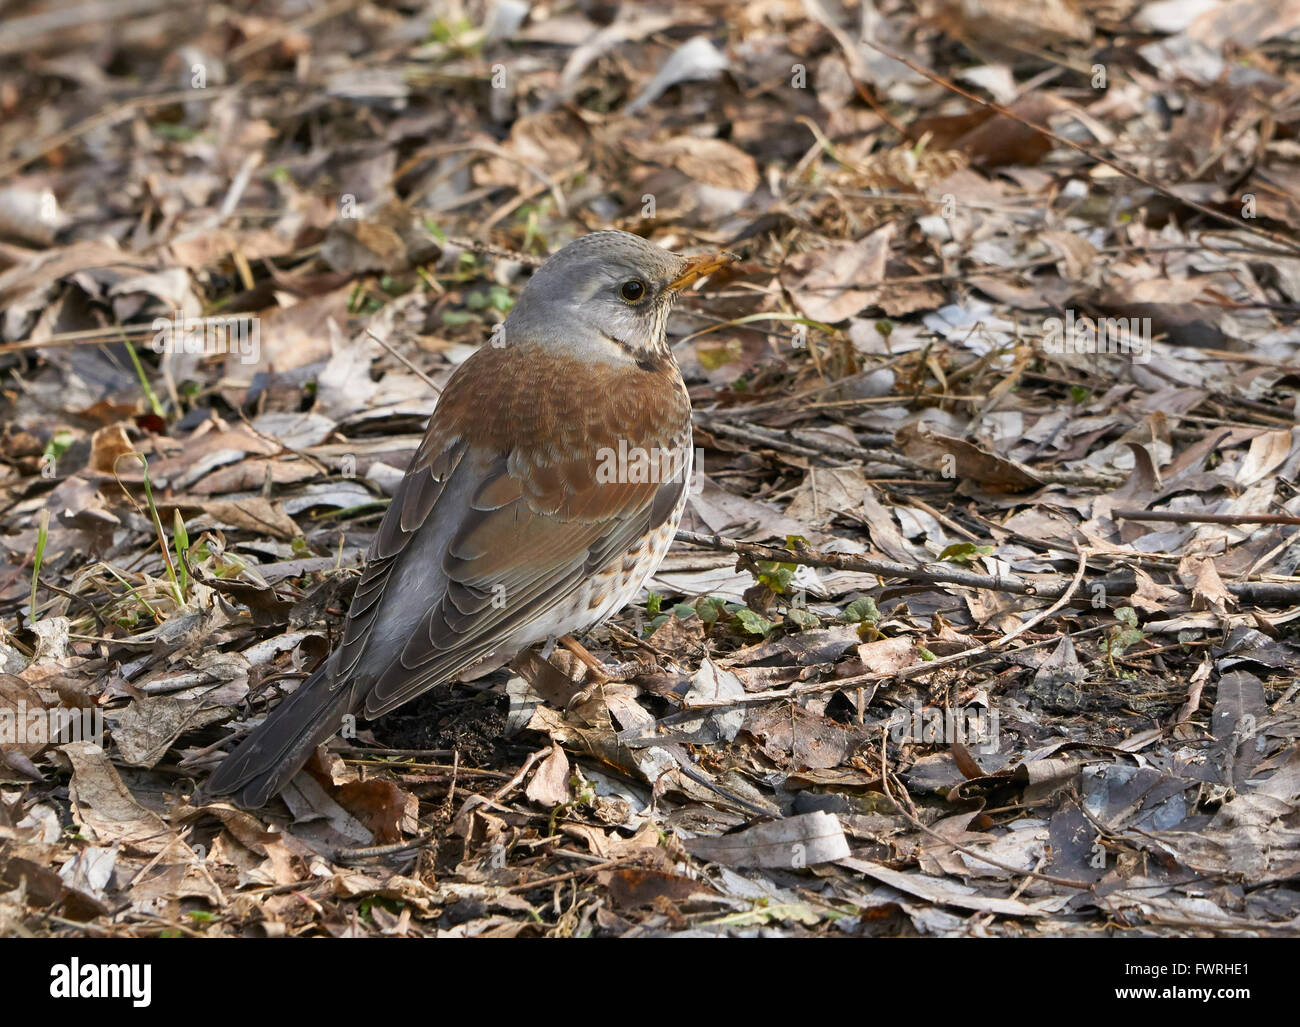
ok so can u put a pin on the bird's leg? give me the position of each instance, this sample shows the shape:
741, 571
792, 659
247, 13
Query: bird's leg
602, 672
590, 662
548, 680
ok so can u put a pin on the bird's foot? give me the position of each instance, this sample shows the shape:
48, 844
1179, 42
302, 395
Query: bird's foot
603, 673
570, 679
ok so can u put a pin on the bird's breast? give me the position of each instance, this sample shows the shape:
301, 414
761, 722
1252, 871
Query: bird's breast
581, 438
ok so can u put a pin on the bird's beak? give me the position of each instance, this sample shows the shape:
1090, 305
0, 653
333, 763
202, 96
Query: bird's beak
697, 267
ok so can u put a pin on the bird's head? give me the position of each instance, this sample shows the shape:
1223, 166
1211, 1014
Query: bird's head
606, 293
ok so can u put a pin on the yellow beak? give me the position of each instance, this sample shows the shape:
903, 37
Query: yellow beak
697, 267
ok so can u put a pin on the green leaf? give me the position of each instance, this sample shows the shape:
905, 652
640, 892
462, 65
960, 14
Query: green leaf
178, 529
964, 552
753, 623
713, 357
802, 618
776, 576
181, 539
178, 133
42, 538
57, 446
1125, 635
1122, 641
710, 608
860, 610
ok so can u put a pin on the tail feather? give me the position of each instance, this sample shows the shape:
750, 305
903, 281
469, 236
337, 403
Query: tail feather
264, 762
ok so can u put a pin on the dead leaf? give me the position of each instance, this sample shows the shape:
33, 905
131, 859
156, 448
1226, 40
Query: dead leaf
964, 461
20, 705
1268, 451
833, 283
714, 162
549, 785
1199, 574
105, 809
792, 844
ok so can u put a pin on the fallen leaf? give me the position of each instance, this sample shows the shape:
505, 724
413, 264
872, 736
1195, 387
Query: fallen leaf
792, 844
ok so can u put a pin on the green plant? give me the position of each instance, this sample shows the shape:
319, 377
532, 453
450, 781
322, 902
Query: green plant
859, 611
130, 617
56, 447
181, 539
1123, 636
181, 593
42, 537
752, 623
149, 394
964, 553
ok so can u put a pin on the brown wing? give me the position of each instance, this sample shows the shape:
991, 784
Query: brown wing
502, 514
437, 458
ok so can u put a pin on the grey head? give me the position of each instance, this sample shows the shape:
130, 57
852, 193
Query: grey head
605, 296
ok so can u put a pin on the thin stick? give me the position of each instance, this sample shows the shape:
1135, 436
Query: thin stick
1047, 587
67, 135
410, 366
1179, 517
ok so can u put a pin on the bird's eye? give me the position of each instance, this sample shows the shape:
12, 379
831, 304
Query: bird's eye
633, 290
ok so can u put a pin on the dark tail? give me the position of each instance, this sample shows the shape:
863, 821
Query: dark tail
265, 761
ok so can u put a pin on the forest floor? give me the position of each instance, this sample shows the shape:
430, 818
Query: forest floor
1008, 363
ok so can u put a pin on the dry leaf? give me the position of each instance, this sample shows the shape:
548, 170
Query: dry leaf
832, 284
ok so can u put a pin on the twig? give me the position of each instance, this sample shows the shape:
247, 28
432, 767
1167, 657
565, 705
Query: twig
1251, 592
437, 389
281, 29
558, 878
929, 574
373, 851
67, 135
26, 35
1181, 517
513, 783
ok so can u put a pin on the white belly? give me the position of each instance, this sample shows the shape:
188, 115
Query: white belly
618, 582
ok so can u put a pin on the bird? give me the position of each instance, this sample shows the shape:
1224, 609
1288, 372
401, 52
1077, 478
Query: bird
546, 491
